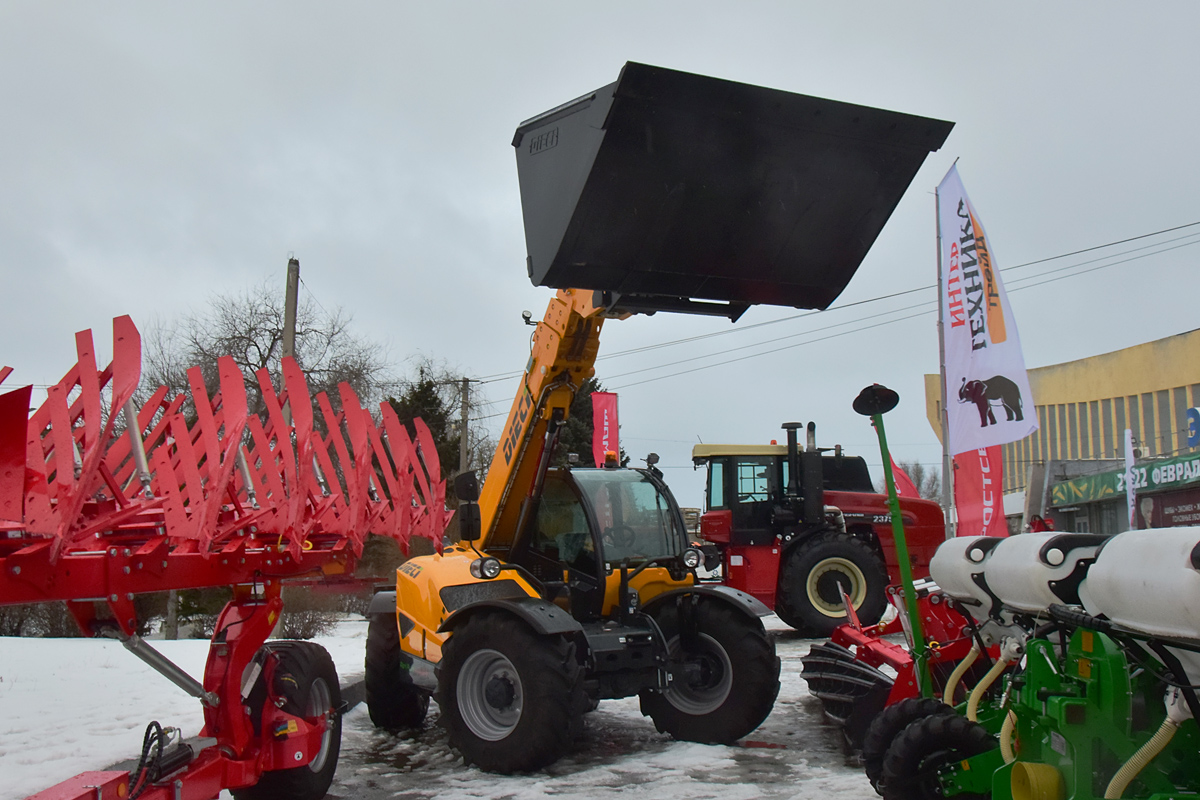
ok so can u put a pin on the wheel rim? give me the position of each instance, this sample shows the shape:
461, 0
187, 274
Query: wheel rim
704, 678
320, 704
824, 580
490, 695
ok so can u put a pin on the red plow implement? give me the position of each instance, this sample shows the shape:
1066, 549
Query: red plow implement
103, 498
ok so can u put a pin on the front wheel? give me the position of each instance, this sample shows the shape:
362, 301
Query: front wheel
510, 698
393, 702
889, 724
306, 684
912, 765
816, 573
724, 674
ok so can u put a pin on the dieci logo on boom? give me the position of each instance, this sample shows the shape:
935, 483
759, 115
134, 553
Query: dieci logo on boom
514, 429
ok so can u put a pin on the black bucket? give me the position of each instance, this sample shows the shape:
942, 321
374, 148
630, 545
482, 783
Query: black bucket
667, 187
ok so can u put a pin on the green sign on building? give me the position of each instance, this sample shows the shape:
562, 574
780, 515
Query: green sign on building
1155, 476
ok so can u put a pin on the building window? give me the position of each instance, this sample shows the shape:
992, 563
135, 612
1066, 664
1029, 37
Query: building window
1150, 435
1073, 430
1134, 423
1166, 431
1181, 408
1106, 415
1119, 428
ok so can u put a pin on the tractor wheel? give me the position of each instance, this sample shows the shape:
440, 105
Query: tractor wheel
307, 683
814, 575
724, 680
910, 768
889, 724
512, 700
393, 702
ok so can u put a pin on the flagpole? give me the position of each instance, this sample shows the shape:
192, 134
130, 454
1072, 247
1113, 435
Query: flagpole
947, 465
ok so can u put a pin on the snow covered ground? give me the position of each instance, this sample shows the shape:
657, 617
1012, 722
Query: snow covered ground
70, 705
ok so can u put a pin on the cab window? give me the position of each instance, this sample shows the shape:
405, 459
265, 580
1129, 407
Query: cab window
562, 533
716, 484
752, 480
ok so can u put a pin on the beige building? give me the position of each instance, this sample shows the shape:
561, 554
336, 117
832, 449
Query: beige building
1068, 467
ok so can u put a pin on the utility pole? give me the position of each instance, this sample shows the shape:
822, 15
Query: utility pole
289, 320
462, 431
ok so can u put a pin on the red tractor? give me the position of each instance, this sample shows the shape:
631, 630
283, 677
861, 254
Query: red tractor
798, 528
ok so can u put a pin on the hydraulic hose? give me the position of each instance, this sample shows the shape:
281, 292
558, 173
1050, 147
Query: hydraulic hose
956, 675
1006, 737
1145, 754
977, 693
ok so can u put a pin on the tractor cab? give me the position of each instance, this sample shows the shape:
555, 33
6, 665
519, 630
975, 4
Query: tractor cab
593, 523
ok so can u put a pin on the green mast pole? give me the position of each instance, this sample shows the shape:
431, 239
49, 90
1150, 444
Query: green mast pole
875, 401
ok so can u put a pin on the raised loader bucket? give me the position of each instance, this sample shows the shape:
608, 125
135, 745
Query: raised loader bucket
667, 187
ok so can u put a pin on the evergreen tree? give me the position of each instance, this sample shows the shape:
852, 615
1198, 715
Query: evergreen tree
427, 398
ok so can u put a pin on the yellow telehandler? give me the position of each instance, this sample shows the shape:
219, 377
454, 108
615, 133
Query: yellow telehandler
663, 191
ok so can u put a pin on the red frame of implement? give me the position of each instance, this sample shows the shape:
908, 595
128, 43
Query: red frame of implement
216, 498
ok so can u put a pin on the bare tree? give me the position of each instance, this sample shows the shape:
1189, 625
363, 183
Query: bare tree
927, 481
249, 327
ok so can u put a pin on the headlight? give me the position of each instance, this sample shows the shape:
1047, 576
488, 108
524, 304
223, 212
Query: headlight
692, 558
486, 568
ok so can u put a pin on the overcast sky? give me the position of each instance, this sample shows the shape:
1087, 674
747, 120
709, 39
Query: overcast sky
152, 154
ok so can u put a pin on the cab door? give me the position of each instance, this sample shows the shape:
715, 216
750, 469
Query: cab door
751, 483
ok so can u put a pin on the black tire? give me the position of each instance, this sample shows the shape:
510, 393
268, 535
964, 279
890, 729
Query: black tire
724, 684
393, 702
910, 768
511, 699
306, 680
808, 598
889, 724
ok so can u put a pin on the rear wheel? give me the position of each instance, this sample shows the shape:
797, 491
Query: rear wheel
725, 675
910, 768
816, 573
889, 724
511, 699
307, 684
393, 702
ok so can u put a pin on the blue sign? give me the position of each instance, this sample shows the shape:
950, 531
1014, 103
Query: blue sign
1193, 416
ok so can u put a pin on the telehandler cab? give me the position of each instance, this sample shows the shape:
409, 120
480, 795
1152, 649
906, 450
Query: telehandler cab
663, 191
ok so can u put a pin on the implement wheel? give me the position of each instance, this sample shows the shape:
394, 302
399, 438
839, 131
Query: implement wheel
512, 700
910, 768
393, 702
889, 724
725, 675
307, 683
817, 571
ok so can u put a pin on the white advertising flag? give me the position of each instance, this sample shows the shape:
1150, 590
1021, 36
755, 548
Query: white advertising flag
987, 389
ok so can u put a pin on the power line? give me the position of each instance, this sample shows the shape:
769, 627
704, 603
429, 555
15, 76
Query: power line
900, 319
1102, 246
760, 344
744, 328
769, 352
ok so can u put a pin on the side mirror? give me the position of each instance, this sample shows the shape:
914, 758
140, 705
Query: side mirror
469, 525
466, 487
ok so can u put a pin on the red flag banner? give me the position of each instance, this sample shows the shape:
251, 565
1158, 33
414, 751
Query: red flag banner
978, 476
904, 485
604, 426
